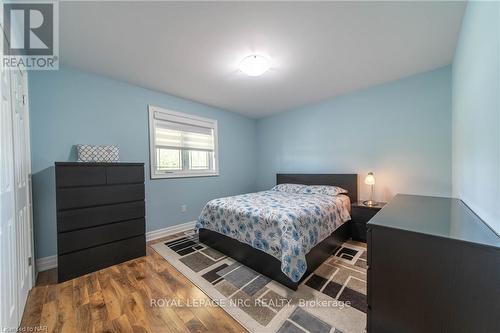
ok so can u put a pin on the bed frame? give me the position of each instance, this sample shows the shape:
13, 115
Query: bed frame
270, 266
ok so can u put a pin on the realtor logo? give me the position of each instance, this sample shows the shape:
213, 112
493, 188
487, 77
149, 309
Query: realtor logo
31, 29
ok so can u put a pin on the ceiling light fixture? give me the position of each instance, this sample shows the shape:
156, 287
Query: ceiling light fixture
254, 65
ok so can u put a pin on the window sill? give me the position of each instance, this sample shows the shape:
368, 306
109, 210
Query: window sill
183, 175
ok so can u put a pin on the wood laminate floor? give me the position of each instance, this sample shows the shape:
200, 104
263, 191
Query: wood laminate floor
118, 299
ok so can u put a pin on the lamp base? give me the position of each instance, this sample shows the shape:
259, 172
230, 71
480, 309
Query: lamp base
370, 203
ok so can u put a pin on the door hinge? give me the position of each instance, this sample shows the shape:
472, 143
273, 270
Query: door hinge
24, 99
30, 261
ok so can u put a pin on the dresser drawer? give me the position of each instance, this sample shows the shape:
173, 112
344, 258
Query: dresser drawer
80, 176
91, 217
68, 198
125, 174
82, 262
90, 237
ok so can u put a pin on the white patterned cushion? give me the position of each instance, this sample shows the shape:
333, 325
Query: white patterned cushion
103, 153
324, 189
289, 188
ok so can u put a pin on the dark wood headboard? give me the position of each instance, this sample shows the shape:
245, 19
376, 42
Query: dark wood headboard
346, 181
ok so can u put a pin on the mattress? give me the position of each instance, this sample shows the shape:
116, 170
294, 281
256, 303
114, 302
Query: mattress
282, 224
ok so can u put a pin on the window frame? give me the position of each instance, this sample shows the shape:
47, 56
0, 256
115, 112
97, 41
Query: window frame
154, 173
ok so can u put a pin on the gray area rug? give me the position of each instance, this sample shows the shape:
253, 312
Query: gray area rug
332, 299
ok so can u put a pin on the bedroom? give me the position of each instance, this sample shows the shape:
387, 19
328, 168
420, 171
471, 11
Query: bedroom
250, 166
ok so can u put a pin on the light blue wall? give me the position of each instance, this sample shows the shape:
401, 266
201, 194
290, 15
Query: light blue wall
400, 130
70, 107
476, 112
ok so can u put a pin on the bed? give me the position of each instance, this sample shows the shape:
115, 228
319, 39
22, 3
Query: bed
281, 234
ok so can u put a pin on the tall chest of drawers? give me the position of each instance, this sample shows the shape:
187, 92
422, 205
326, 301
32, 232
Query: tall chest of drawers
100, 216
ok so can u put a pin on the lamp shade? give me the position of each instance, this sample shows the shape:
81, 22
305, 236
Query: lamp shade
254, 65
370, 179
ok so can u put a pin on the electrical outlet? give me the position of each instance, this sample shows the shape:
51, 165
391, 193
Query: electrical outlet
184, 208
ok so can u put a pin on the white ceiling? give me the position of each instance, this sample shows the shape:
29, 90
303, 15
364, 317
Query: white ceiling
318, 50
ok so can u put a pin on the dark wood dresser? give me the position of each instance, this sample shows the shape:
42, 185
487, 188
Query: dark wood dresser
100, 216
434, 266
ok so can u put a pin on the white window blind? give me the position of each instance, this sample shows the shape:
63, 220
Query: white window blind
178, 135
182, 145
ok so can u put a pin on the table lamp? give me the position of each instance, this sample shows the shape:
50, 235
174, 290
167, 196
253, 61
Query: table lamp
370, 180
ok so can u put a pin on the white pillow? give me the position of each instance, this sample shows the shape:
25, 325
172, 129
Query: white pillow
324, 189
290, 188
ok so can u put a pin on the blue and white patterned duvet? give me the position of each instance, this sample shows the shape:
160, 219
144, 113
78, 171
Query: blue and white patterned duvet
282, 224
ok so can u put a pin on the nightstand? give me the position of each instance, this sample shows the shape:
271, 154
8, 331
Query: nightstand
360, 215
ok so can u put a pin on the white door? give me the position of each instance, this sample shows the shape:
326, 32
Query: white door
16, 269
22, 184
8, 253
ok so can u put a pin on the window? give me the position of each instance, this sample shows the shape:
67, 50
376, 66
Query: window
181, 145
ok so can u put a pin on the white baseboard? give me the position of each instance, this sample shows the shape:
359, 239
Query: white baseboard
159, 233
46, 263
